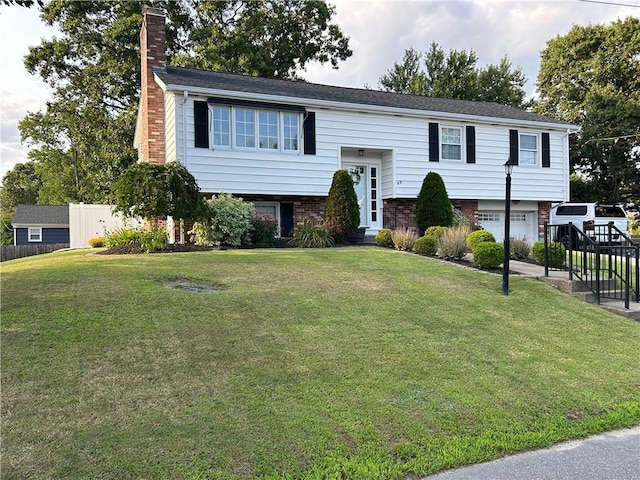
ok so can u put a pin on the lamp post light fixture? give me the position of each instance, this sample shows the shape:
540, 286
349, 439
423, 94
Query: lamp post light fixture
508, 169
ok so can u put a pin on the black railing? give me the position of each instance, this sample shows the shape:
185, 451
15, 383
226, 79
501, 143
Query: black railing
602, 257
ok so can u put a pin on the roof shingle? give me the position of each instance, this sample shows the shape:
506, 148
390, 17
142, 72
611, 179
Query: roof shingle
186, 77
41, 215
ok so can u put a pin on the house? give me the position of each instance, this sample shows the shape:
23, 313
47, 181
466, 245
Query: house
41, 225
72, 225
278, 143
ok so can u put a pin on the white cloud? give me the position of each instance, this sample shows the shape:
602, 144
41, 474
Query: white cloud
14, 107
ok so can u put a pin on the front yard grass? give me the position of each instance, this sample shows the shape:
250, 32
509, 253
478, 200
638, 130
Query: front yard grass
326, 363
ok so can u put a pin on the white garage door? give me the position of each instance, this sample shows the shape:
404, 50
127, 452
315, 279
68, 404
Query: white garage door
522, 224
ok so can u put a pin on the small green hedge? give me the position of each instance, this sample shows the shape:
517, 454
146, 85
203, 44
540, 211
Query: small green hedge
384, 239
488, 254
426, 245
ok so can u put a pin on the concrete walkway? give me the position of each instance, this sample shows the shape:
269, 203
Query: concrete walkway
610, 456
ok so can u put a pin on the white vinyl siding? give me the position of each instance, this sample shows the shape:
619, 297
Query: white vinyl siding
401, 144
170, 135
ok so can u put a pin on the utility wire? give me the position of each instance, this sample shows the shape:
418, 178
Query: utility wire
612, 138
603, 2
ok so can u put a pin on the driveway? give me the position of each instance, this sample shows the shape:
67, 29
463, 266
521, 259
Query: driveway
609, 456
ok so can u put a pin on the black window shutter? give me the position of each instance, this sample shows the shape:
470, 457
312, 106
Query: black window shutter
286, 219
201, 122
471, 144
309, 132
546, 151
514, 148
434, 142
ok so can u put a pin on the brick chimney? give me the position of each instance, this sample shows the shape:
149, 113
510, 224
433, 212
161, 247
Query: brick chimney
151, 114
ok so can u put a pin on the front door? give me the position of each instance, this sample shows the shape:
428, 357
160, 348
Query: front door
358, 174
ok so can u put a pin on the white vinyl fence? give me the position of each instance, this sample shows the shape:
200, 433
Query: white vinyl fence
88, 221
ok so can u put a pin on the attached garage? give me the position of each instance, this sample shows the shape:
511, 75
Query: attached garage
524, 220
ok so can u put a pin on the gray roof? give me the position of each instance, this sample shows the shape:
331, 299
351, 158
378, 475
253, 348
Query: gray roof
186, 77
41, 215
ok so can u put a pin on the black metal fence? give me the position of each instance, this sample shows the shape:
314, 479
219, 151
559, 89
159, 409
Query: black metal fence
602, 257
11, 252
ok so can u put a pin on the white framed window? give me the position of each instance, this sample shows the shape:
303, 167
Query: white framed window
451, 143
488, 217
290, 131
35, 234
248, 128
518, 217
270, 209
268, 129
528, 149
245, 126
221, 127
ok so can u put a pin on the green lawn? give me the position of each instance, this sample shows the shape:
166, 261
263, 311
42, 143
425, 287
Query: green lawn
339, 363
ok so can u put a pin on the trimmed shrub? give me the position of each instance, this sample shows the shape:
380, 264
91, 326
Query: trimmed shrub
404, 239
557, 253
228, 222
488, 255
435, 232
342, 213
383, 238
309, 234
452, 245
97, 242
479, 236
519, 248
432, 205
264, 229
426, 245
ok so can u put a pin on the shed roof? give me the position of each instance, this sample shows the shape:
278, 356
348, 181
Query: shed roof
175, 77
41, 215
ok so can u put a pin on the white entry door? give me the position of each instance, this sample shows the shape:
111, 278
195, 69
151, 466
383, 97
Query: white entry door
358, 174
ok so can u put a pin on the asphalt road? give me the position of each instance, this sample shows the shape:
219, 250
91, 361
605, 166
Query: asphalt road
610, 456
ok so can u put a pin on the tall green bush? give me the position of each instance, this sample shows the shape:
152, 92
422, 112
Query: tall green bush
433, 207
342, 213
488, 255
228, 222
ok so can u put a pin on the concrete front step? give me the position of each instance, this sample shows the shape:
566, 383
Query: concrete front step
579, 290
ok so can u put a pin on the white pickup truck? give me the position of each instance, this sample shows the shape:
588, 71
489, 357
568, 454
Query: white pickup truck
591, 218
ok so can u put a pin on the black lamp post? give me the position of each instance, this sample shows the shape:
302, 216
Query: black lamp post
508, 168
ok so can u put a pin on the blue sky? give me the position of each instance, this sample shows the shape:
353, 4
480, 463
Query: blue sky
380, 32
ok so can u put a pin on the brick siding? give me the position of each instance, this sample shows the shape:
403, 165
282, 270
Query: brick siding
152, 54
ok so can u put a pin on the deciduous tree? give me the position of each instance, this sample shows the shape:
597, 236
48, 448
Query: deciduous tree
456, 75
591, 77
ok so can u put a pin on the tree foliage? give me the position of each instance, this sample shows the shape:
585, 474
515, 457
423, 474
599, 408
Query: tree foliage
19, 186
433, 207
148, 190
342, 213
82, 142
456, 75
591, 77
270, 38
